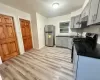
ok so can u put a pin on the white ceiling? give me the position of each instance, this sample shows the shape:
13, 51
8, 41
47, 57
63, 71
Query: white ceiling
44, 7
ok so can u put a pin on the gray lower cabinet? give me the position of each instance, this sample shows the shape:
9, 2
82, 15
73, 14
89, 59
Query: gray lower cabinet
58, 41
85, 68
65, 42
93, 11
88, 68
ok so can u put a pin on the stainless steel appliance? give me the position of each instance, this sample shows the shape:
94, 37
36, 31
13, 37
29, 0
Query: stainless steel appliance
87, 44
49, 35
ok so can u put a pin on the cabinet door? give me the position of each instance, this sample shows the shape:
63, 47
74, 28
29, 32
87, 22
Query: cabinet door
72, 22
98, 15
62, 42
70, 43
58, 41
77, 19
93, 11
88, 68
86, 11
65, 42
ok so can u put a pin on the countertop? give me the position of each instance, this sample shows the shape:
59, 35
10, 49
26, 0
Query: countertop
84, 49
71, 36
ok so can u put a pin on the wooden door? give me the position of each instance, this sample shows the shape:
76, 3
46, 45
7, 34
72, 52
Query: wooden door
26, 33
8, 40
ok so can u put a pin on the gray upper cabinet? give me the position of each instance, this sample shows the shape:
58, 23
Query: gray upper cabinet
98, 15
72, 22
85, 12
93, 11
77, 20
70, 43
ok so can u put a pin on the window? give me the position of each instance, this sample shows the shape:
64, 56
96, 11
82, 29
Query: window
64, 27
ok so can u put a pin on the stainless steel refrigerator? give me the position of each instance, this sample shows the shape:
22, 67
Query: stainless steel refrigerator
49, 35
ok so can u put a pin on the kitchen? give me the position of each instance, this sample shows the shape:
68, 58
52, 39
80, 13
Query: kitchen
86, 45
78, 32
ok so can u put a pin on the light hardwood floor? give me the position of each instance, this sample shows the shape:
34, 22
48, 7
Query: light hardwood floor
45, 64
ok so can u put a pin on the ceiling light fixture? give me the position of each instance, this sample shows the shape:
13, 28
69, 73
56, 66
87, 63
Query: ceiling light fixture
55, 5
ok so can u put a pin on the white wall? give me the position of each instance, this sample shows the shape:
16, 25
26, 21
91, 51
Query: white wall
77, 12
41, 22
16, 14
34, 30
56, 20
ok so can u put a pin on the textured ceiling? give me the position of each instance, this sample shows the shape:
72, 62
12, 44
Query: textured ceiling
44, 7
